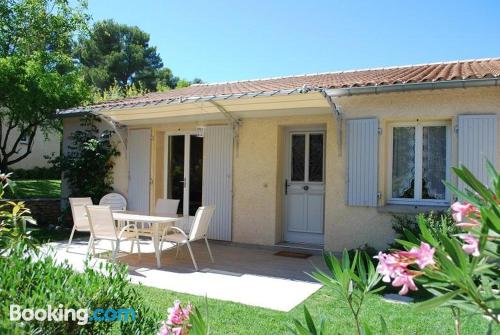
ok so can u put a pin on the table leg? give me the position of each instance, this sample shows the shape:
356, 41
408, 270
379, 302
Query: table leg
156, 243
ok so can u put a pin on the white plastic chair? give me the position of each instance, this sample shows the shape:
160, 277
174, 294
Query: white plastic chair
166, 207
102, 227
198, 231
80, 220
115, 201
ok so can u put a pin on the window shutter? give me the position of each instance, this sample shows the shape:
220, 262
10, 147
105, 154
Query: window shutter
362, 162
477, 140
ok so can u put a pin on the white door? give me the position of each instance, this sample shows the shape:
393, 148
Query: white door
305, 187
139, 158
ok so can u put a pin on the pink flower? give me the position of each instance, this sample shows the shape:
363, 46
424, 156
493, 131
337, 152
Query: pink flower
462, 212
388, 266
405, 280
164, 330
472, 244
423, 256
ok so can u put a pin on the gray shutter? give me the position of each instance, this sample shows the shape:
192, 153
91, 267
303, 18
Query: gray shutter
139, 158
217, 179
477, 141
362, 162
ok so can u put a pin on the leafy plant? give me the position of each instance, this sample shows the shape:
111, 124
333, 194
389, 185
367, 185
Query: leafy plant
13, 222
460, 270
436, 222
352, 280
35, 282
88, 166
310, 327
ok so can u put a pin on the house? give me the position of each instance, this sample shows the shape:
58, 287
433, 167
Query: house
319, 160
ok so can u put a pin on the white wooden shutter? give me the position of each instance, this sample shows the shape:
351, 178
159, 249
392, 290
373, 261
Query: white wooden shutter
139, 160
477, 140
217, 179
362, 162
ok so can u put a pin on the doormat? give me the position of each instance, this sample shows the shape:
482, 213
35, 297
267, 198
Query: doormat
292, 254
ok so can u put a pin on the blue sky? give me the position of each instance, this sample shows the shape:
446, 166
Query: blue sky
223, 40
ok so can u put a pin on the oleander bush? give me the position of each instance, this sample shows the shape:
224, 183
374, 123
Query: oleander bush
33, 280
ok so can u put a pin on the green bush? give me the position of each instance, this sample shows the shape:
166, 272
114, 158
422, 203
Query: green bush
88, 165
436, 221
14, 217
35, 283
37, 173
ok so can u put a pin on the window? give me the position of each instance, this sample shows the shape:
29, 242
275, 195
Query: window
420, 156
24, 139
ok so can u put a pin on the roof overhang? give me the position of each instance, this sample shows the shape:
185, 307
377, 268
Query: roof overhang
288, 102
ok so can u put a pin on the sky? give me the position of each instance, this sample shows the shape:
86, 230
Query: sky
220, 41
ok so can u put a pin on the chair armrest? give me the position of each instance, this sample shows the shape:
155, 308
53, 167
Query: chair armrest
165, 231
128, 226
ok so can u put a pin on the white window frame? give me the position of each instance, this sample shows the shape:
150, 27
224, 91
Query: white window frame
417, 200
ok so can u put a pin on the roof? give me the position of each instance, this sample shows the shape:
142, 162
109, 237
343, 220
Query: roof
422, 73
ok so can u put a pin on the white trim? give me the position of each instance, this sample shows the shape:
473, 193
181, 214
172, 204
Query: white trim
417, 200
306, 237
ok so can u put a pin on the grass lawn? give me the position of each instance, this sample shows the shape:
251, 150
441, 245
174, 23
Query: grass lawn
24, 189
233, 318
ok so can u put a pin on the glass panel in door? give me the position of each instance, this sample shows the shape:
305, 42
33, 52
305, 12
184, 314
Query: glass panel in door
175, 189
316, 157
195, 173
298, 157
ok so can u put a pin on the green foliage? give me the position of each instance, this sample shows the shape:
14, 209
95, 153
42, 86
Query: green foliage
30, 189
121, 54
35, 283
437, 222
115, 92
352, 279
13, 223
37, 173
199, 322
310, 328
37, 72
458, 280
183, 83
88, 166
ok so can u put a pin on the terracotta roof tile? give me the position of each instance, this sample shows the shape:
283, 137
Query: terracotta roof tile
458, 70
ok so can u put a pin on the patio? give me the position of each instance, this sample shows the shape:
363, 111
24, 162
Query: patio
245, 274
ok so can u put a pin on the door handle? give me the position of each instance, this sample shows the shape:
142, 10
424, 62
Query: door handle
306, 188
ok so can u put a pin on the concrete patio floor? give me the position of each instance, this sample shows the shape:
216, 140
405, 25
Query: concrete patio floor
243, 274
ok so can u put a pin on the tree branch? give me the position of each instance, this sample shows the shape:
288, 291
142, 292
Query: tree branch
31, 127
28, 149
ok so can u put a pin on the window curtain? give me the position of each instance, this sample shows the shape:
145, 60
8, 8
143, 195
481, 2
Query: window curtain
433, 163
403, 162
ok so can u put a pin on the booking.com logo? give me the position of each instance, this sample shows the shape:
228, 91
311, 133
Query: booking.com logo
81, 315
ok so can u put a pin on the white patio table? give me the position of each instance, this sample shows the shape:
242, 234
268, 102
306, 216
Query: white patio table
157, 223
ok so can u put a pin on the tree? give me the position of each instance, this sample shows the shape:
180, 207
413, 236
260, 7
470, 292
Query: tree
37, 73
119, 53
